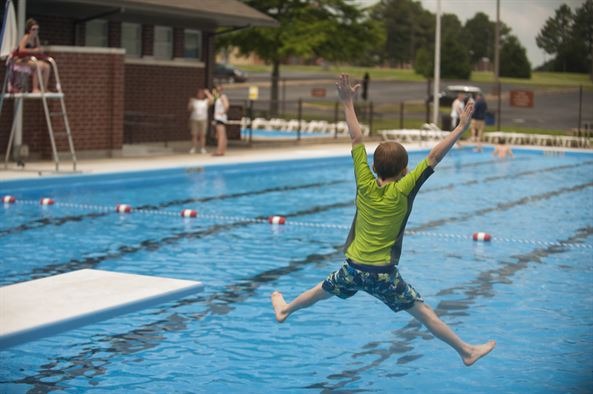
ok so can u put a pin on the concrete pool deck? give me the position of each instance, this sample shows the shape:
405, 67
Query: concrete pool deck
155, 160
150, 157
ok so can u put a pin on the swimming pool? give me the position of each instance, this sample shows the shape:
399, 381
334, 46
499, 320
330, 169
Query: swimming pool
524, 289
258, 134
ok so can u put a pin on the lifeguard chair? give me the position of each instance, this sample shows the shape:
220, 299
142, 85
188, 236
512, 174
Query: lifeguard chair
19, 95
16, 87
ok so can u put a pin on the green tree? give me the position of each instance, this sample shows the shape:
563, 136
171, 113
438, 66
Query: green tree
568, 37
555, 36
333, 29
424, 63
455, 59
408, 27
361, 43
478, 33
513, 59
582, 37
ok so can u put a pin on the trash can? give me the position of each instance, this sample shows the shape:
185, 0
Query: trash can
489, 119
233, 130
446, 122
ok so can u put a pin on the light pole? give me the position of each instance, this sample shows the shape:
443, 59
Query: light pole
497, 63
437, 66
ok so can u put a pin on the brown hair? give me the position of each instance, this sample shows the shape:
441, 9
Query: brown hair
29, 24
390, 159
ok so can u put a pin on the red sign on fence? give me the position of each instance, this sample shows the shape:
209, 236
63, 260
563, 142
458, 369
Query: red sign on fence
521, 98
318, 92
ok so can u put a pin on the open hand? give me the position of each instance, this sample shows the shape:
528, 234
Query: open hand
345, 91
467, 113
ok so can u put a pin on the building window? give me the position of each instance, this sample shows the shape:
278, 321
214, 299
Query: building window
95, 33
192, 47
163, 42
131, 39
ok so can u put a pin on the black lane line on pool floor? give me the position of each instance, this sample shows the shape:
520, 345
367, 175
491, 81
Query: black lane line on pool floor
152, 245
39, 223
501, 206
481, 287
506, 176
150, 335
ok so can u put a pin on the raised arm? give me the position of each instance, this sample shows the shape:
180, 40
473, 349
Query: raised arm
346, 93
209, 96
442, 148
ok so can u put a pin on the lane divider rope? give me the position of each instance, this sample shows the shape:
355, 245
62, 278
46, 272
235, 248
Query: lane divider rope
279, 220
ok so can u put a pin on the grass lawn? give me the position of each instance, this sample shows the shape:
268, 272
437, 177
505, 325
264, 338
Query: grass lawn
331, 72
378, 73
540, 78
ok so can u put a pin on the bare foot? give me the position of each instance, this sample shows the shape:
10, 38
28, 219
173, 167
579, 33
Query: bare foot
279, 304
217, 154
36, 91
478, 351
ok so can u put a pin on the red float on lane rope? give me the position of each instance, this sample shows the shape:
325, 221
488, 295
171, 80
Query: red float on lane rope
8, 199
189, 213
276, 220
46, 201
123, 208
481, 237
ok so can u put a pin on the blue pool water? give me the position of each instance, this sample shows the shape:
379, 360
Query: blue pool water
523, 289
279, 134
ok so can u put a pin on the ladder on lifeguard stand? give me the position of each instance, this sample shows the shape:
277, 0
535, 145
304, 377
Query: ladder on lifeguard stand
45, 97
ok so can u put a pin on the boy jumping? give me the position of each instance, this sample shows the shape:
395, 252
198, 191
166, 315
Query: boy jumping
374, 244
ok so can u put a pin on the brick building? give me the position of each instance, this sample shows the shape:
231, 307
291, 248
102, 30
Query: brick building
127, 68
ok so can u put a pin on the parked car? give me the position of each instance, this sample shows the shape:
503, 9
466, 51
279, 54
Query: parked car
228, 73
447, 96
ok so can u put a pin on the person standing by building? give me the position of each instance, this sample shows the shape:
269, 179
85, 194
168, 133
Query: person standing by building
457, 109
198, 119
221, 107
478, 117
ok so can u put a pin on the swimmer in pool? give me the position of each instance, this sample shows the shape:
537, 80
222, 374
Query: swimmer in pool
373, 247
502, 151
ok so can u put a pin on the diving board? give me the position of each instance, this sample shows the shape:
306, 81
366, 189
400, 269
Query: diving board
43, 307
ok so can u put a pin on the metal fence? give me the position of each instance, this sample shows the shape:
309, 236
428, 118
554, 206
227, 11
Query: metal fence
531, 109
374, 116
564, 111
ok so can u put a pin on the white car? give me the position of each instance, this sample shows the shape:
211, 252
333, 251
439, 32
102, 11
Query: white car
447, 96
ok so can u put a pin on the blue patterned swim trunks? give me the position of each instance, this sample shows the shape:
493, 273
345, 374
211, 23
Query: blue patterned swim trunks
388, 287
